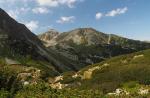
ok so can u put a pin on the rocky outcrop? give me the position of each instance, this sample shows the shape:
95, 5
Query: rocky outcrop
88, 73
49, 35
119, 92
29, 76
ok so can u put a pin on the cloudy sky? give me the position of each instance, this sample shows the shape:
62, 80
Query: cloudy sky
128, 18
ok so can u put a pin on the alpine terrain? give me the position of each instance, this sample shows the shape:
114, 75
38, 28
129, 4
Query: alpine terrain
81, 63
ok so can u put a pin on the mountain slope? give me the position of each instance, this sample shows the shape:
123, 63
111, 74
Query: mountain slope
17, 41
13, 34
88, 46
113, 73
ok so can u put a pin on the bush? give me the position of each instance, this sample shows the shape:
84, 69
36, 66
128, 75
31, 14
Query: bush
4, 94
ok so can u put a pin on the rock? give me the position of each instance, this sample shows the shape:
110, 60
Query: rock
58, 78
26, 83
111, 94
11, 62
49, 37
58, 85
31, 75
138, 56
24, 76
75, 75
105, 65
87, 75
143, 91
119, 92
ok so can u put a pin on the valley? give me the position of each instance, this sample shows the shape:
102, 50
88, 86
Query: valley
81, 63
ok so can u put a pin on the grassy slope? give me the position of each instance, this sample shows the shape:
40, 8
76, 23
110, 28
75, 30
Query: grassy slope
120, 70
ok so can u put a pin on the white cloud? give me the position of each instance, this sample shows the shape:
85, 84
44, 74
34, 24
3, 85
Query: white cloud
41, 10
11, 2
24, 10
51, 3
56, 3
117, 12
15, 13
70, 3
32, 25
63, 19
98, 15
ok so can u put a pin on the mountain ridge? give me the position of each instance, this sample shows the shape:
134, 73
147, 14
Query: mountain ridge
88, 45
85, 32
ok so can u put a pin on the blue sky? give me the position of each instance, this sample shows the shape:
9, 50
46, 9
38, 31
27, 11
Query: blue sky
128, 18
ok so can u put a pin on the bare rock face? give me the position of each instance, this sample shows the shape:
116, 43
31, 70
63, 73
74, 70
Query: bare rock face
49, 35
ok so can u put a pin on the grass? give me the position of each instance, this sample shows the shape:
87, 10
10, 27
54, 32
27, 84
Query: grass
122, 72
121, 69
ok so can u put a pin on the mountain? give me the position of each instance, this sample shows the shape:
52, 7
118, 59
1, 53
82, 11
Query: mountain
78, 36
18, 38
48, 36
19, 43
88, 46
87, 36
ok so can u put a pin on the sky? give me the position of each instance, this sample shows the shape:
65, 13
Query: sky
127, 18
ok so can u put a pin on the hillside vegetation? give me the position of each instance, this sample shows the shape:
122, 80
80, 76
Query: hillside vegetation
125, 68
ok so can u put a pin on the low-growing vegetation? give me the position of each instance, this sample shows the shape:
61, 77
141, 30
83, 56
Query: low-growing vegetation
125, 76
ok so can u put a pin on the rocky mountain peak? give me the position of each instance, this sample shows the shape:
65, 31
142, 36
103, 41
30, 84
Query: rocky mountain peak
47, 36
84, 30
78, 36
52, 30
